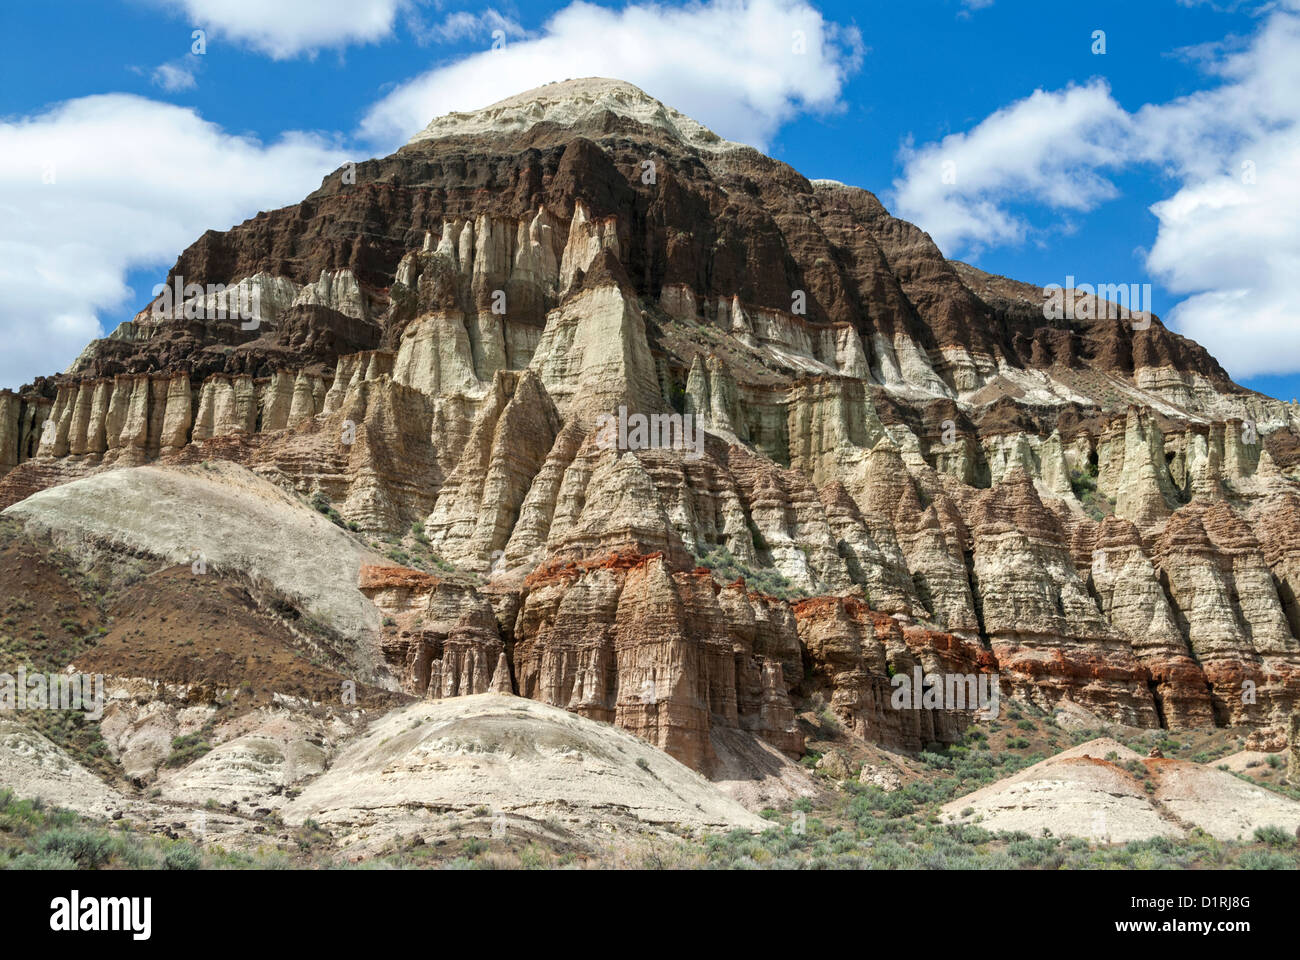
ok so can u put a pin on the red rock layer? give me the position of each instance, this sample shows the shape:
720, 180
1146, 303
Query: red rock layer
854, 652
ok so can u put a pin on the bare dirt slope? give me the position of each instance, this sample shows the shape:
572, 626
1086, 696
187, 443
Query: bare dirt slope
32, 766
420, 768
216, 633
237, 521
1106, 792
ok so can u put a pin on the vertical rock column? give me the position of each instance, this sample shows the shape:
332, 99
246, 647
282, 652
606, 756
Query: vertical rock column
10, 408
1293, 744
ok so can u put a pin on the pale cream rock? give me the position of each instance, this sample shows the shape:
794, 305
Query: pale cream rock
886, 495
308, 398
791, 522
338, 290
481, 498
1126, 582
877, 565
1142, 488
527, 543
356, 368
571, 102
525, 760
608, 502
1082, 793
249, 303
129, 417
262, 764
904, 368
713, 398
501, 677
832, 424
227, 407
435, 356
223, 511
276, 398
593, 356
587, 238
33, 766
178, 414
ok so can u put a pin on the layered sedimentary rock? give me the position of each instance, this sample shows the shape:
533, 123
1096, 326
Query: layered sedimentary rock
131, 416
481, 498
855, 652
632, 641
1229, 613
1045, 628
935, 553
441, 637
1131, 596
1134, 471
946, 474
1293, 747
11, 416
593, 356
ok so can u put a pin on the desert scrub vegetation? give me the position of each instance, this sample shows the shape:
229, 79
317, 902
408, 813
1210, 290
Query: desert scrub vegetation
34, 836
876, 830
767, 580
960, 769
320, 503
1095, 503
79, 736
188, 748
414, 549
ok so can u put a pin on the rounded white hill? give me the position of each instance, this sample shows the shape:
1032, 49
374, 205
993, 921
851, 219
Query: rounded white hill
571, 102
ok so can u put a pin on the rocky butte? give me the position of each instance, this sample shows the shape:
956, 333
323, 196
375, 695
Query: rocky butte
903, 463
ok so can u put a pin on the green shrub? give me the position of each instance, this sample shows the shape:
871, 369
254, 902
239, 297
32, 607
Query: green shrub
1265, 860
90, 850
1274, 836
1083, 482
187, 749
183, 856
766, 580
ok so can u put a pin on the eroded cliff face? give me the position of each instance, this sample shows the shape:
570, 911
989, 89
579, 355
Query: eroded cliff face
927, 471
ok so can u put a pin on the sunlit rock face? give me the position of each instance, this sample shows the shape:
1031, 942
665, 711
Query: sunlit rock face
883, 459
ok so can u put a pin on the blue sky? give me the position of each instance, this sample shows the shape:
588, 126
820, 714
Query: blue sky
118, 146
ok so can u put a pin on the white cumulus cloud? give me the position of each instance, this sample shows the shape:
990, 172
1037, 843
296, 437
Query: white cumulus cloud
1226, 242
1049, 148
176, 75
741, 67
101, 185
287, 28
464, 25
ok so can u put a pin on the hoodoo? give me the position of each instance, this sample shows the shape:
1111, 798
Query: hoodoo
899, 464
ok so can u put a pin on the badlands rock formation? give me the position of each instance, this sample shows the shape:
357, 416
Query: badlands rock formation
1293, 745
903, 464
